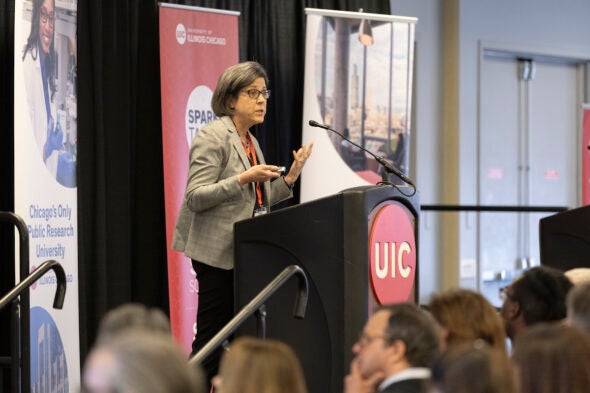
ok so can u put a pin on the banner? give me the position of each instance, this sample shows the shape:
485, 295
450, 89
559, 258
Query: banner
196, 45
45, 155
586, 154
358, 81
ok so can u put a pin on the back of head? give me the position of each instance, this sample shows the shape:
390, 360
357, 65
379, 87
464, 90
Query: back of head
578, 307
541, 293
137, 360
466, 315
132, 315
260, 366
473, 367
553, 358
578, 275
416, 329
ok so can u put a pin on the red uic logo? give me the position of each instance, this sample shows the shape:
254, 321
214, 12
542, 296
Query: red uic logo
392, 248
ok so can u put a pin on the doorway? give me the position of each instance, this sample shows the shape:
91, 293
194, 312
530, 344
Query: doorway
528, 156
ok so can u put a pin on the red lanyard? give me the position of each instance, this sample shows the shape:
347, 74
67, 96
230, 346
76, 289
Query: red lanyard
251, 154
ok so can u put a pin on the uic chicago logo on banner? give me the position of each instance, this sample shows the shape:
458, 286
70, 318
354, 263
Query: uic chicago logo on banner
198, 111
180, 34
392, 255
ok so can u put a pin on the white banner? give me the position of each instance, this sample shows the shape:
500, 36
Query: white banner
45, 140
358, 81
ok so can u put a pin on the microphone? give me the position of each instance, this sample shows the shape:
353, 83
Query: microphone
386, 164
314, 123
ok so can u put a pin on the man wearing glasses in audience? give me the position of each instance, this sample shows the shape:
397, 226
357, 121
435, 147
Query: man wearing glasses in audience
394, 352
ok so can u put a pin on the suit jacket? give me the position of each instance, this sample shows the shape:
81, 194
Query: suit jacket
214, 199
414, 385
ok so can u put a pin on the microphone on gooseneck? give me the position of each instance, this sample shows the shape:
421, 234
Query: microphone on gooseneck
386, 164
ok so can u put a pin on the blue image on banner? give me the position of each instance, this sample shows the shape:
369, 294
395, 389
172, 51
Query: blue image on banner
49, 370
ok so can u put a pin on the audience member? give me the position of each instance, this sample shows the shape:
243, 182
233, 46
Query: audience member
394, 351
473, 367
465, 315
538, 295
132, 315
578, 307
138, 360
552, 358
578, 275
254, 365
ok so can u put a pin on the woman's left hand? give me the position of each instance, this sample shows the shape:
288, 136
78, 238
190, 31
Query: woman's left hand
300, 157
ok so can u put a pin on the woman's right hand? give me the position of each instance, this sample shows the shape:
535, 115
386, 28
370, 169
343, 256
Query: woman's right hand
258, 173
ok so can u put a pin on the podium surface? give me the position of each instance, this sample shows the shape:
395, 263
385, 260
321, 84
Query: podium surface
329, 239
564, 239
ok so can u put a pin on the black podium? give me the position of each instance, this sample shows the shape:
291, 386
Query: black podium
564, 239
328, 238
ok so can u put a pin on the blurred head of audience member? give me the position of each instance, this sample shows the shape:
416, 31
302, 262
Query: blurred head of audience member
578, 275
136, 360
578, 307
552, 358
465, 315
538, 295
473, 367
394, 351
254, 365
132, 315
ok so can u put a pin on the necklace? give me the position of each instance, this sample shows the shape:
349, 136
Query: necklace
245, 141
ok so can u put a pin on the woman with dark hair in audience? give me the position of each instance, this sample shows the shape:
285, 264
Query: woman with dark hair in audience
553, 358
473, 368
259, 366
465, 315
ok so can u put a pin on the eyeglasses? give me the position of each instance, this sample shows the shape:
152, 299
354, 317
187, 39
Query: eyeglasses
47, 18
503, 293
255, 93
364, 339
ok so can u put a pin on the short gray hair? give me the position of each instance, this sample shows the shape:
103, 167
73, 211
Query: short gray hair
144, 361
578, 306
416, 329
231, 81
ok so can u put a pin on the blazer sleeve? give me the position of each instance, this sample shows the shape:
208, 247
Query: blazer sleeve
280, 191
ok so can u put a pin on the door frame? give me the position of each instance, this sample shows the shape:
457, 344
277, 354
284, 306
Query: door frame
515, 51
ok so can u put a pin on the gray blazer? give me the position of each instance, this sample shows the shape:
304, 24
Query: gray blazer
214, 199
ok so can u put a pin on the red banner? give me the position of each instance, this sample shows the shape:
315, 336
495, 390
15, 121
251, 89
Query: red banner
196, 45
586, 155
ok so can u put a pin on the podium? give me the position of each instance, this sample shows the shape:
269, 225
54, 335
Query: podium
329, 239
564, 239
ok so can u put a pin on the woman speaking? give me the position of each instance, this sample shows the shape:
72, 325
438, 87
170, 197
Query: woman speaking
228, 181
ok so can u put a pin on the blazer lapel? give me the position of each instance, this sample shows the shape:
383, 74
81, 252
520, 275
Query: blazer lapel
237, 145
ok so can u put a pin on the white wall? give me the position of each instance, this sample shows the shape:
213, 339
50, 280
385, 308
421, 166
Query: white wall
445, 168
